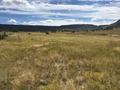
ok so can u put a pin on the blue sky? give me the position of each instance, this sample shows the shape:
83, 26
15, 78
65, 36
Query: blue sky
59, 12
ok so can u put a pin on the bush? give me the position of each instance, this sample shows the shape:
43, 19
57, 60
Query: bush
3, 35
14, 30
73, 31
47, 32
103, 34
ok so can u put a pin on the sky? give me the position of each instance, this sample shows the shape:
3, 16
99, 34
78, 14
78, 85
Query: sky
59, 12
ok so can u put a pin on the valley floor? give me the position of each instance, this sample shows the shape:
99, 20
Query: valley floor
60, 61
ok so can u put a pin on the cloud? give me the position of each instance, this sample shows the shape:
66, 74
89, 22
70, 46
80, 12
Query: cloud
88, 11
64, 22
12, 21
16, 4
44, 9
50, 22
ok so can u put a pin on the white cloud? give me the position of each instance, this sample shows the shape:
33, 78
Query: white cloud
45, 8
12, 21
50, 22
88, 11
42, 8
64, 22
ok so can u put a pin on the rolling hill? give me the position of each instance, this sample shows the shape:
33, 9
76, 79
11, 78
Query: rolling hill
114, 25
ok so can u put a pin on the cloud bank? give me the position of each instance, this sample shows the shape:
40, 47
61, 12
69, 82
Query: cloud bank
57, 12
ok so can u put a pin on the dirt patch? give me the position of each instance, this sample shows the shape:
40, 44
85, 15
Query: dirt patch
39, 45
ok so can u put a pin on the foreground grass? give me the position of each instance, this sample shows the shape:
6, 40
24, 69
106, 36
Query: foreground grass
60, 61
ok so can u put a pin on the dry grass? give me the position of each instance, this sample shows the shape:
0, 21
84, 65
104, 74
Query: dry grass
60, 61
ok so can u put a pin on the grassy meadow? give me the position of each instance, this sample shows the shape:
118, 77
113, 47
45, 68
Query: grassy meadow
60, 61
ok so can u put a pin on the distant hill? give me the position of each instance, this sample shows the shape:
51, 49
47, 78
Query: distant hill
31, 28
26, 28
46, 28
76, 27
114, 25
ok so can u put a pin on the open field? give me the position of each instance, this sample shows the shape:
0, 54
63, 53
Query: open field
60, 61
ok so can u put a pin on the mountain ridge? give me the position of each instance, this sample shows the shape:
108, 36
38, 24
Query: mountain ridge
41, 28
